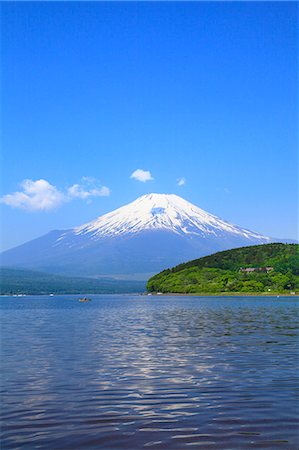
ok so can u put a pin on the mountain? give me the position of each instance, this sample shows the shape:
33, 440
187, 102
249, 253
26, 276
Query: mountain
268, 269
151, 233
22, 281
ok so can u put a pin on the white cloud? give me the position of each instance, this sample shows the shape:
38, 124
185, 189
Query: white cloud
88, 188
37, 195
40, 195
181, 181
142, 175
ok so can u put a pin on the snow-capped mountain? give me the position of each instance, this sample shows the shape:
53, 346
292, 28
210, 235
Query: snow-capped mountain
151, 233
161, 212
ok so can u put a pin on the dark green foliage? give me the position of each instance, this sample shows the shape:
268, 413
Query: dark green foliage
19, 281
221, 272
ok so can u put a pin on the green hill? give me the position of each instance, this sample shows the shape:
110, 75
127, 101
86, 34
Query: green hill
22, 281
268, 268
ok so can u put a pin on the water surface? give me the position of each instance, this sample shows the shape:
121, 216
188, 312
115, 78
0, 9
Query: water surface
130, 372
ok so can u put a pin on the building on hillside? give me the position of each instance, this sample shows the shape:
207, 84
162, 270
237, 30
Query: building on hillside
255, 269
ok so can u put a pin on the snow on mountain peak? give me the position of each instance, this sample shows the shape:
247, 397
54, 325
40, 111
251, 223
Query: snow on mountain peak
161, 212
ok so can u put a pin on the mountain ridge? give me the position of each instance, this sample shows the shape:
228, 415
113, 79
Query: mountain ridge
24, 281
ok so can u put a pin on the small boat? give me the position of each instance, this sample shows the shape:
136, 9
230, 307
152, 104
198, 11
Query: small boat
84, 300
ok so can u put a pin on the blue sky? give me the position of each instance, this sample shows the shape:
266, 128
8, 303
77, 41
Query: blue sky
200, 91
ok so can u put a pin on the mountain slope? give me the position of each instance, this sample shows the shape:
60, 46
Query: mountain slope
153, 232
268, 268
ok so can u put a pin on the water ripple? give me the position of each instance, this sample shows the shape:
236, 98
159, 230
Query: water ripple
127, 372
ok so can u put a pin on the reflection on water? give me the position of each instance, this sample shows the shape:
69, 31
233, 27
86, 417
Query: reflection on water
127, 372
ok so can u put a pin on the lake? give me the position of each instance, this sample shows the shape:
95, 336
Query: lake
130, 372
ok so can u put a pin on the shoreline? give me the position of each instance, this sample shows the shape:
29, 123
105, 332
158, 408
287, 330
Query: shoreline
152, 294
224, 294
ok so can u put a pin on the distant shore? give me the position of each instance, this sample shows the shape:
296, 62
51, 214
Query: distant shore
155, 294
223, 294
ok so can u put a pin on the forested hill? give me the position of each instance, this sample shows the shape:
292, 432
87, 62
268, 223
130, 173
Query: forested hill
22, 281
267, 268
